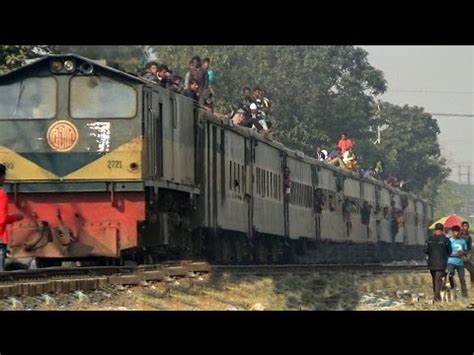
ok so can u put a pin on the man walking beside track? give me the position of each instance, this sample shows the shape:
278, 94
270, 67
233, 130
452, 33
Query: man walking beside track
5, 218
438, 248
456, 259
467, 261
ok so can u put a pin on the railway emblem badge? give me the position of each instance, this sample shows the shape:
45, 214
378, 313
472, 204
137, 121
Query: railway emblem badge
62, 136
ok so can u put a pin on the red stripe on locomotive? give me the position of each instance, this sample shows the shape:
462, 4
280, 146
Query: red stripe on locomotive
63, 225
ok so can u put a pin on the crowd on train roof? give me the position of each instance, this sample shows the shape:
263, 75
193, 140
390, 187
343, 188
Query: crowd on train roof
252, 110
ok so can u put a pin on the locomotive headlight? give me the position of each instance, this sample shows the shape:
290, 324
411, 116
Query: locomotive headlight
69, 66
56, 66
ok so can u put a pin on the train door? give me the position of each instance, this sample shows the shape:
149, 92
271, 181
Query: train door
153, 133
317, 202
249, 166
378, 214
212, 180
286, 197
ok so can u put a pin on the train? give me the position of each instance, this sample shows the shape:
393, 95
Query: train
111, 168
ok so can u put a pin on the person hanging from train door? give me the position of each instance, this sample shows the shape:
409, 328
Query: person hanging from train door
456, 261
438, 249
5, 218
467, 259
394, 227
287, 183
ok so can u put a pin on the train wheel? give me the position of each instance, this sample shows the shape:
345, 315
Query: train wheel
38, 263
260, 250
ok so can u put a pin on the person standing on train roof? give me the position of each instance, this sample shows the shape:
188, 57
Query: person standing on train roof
162, 75
150, 71
5, 218
438, 249
209, 72
468, 262
456, 259
345, 143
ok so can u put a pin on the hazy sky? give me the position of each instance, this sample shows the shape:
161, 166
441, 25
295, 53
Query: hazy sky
428, 69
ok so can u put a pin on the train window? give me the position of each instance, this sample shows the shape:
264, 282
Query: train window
237, 177
268, 183
275, 187
173, 110
279, 187
243, 181
101, 97
29, 98
258, 175
264, 185
235, 172
271, 185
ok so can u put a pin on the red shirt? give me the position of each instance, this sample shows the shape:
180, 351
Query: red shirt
4, 217
344, 145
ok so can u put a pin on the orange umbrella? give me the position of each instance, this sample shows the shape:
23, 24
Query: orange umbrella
449, 221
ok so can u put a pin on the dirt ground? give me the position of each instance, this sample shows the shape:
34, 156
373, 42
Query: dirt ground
331, 291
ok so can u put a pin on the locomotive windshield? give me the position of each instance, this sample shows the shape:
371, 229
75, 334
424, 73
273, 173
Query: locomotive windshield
29, 98
101, 97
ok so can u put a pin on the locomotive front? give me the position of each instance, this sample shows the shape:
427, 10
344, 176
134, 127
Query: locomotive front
71, 138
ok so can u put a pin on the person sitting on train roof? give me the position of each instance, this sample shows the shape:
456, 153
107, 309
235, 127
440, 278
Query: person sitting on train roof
246, 99
206, 100
378, 168
350, 160
243, 103
195, 72
176, 84
392, 181
334, 158
319, 154
243, 118
162, 75
151, 69
193, 91
256, 116
344, 143
256, 95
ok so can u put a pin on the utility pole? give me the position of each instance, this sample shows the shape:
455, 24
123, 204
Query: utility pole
464, 170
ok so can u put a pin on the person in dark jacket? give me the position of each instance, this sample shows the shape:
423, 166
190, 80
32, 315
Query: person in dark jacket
438, 248
193, 91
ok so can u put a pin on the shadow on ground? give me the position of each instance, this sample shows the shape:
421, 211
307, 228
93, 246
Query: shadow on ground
315, 291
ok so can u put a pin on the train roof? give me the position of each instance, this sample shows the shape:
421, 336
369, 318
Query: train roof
227, 123
98, 63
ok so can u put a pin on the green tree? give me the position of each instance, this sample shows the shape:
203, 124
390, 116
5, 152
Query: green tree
12, 57
317, 92
449, 199
130, 58
410, 148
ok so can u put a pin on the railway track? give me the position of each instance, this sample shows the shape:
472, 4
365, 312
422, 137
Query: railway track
24, 283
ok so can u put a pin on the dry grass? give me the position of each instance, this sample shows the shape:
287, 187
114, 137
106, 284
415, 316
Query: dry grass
336, 291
